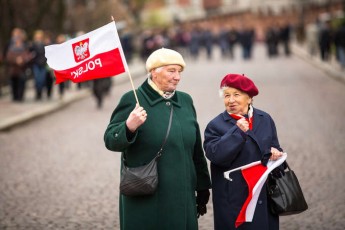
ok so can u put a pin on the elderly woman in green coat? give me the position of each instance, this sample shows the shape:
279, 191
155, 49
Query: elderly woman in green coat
138, 132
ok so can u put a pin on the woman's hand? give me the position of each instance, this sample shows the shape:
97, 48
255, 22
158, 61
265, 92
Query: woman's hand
136, 118
275, 154
243, 124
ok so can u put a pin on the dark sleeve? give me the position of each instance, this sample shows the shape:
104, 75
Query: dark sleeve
222, 147
116, 137
129, 134
275, 141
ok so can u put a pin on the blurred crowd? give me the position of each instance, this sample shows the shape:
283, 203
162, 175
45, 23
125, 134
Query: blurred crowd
326, 38
24, 59
194, 40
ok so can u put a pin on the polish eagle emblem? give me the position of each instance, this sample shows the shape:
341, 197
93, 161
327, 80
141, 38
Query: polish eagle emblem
81, 50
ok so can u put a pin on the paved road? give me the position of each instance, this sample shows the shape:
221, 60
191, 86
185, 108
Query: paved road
56, 174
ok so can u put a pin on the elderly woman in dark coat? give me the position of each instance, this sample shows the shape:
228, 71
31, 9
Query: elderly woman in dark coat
138, 131
240, 135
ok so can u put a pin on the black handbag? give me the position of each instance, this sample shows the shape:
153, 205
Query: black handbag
142, 180
285, 195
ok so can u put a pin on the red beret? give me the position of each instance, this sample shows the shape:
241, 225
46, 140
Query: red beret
240, 82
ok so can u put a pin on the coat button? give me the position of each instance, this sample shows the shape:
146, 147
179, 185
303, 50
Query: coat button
168, 103
259, 201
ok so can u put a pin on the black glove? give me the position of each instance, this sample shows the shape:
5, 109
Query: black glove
202, 198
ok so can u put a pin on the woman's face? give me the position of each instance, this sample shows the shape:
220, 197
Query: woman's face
236, 101
167, 77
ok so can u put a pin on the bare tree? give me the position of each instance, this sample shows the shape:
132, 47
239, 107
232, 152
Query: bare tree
60, 16
30, 15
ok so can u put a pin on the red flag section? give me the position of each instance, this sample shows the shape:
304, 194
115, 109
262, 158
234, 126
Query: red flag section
252, 176
100, 66
255, 175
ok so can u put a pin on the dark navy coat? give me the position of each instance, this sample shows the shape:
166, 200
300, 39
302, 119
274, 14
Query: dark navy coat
228, 147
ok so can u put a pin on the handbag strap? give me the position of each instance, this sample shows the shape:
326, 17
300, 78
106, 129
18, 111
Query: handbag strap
165, 139
167, 134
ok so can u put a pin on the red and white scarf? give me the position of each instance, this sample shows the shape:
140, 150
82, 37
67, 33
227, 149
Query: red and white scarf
249, 118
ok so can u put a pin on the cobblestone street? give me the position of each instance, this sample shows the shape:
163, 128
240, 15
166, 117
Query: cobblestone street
55, 172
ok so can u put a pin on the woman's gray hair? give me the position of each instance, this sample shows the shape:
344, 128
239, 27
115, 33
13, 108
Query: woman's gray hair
221, 91
158, 69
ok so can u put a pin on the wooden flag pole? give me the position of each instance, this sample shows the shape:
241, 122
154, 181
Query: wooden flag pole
126, 67
135, 93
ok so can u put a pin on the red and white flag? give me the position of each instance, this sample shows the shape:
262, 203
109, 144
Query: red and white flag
97, 54
255, 175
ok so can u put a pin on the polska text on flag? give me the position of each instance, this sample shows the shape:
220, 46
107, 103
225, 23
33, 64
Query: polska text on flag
255, 175
97, 54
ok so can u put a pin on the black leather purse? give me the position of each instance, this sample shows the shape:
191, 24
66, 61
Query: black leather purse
142, 180
285, 195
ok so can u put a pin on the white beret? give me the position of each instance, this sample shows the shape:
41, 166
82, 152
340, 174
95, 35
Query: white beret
162, 57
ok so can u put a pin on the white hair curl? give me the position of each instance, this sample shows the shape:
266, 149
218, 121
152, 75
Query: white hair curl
221, 91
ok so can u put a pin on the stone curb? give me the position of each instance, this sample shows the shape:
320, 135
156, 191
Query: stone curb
10, 122
330, 68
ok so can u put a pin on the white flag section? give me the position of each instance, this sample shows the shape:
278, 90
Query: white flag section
255, 175
97, 54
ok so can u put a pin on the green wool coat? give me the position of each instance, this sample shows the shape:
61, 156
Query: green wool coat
182, 168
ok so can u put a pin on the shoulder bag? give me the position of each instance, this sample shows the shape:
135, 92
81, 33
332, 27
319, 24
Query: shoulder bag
142, 180
285, 195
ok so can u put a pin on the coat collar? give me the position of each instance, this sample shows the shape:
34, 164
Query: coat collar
257, 118
153, 96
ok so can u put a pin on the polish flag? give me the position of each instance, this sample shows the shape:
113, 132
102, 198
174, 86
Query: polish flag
97, 54
255, 174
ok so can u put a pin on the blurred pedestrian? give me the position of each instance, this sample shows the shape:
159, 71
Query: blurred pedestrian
325, 40
147, 44
238, 136
49, 73
100, 89
126, 38
39, 62
207, 39
233, 39
284, 34
17, 59
223, 41
339, 41
272, 40
195, 42
138, 132
247, 39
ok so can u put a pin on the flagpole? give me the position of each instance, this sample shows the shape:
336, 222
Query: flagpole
135, 93
227, 173
126, 67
